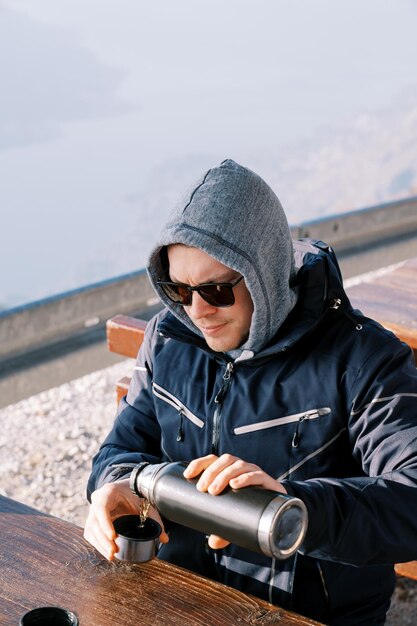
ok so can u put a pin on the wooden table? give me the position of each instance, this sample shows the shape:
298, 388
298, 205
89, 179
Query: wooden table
45, 561
391, 299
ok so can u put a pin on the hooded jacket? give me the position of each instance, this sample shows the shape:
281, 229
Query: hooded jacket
326, 403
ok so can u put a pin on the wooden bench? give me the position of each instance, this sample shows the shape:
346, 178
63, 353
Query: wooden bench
124, 336
390, 298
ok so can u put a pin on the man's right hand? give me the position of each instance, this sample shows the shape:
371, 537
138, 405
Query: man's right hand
108, 503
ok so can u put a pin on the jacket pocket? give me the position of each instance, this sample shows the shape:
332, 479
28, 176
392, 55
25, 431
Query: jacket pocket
282, 421
169, 398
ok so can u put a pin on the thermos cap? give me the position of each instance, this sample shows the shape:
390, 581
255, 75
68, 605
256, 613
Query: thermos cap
282, 526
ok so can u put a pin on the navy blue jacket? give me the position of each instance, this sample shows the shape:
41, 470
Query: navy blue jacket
329, 408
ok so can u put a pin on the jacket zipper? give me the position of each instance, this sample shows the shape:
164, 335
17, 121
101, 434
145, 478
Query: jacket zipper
183, 411
307, 416
219, 399
281, 421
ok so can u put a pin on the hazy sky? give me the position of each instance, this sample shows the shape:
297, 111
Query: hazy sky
107, 109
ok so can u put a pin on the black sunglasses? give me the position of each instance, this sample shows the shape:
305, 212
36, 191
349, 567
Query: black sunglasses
216, 294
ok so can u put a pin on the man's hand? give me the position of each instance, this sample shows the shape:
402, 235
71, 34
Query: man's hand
219, 472
108, 503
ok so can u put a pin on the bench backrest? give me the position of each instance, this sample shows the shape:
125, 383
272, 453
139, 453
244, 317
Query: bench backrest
124, 336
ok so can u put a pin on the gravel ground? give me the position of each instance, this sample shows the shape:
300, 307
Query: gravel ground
47, 442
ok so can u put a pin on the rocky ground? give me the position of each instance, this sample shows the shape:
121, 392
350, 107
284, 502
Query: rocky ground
47, 442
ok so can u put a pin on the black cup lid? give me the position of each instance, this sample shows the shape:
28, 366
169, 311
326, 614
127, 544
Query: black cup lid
49, 616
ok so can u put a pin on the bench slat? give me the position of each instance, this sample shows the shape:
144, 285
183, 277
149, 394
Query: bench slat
409, 570
125, 335
122, 387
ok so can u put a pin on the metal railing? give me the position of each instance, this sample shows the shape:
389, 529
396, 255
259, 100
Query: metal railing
74, 312
372, 226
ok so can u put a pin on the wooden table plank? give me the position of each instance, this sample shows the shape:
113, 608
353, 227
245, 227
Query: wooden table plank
45, 561
391, 299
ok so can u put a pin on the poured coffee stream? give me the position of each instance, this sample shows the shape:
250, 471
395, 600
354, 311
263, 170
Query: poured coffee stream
143, 511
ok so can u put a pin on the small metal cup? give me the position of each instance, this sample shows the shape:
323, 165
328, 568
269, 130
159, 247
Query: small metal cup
136, 544
49, 616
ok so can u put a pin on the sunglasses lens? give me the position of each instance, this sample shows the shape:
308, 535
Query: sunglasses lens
217, 295
177, 293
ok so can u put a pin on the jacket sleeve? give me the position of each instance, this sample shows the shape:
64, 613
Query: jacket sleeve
135, 436
371, 519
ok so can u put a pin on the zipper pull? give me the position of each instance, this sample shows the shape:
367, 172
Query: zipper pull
229, 371
308, 415
296, 437
335, 303
181, 435
226, 378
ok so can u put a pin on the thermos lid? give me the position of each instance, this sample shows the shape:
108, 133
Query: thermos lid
282, 526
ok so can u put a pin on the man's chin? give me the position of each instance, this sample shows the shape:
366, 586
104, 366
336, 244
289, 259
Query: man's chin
220, 345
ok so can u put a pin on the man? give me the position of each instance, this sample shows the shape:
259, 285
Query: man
258, 372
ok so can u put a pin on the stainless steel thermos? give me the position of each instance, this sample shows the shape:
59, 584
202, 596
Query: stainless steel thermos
252, 517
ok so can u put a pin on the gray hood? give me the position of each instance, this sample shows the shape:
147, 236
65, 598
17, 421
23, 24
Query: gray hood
235, 217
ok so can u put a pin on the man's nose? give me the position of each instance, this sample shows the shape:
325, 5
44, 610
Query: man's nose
199, 307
